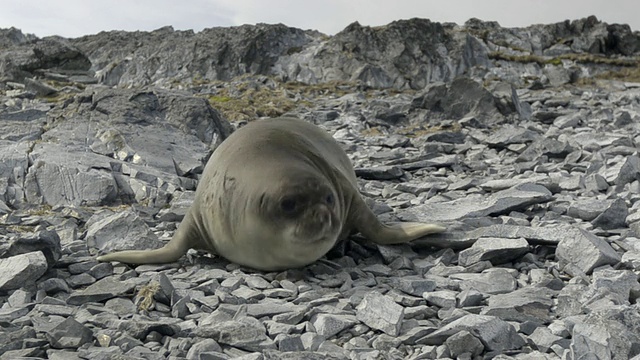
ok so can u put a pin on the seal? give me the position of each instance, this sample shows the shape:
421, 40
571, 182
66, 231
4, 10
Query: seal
276, 194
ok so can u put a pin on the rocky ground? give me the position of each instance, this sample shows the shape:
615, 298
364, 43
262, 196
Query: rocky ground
522, 141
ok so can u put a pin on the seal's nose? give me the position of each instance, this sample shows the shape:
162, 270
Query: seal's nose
323, 216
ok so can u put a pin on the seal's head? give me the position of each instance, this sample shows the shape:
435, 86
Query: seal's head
305, 212
293, 223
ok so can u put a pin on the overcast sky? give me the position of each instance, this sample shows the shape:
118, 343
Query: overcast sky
73, 18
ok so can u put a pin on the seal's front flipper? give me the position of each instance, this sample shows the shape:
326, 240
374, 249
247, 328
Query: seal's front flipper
184, 239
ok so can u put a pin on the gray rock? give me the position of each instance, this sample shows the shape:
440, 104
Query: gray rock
121, 306
329, 325
619, 285
140, 327
586, 251
415, 286
380, 173
39, 88
245, 333
204, 346
126, 62
463, 98
51, 181
46, 241
124, 230
179, 205
20, 270
491, 281
463, 342
496, 250
588, 209
445, 299
629, 171
469, 297
570, 300
19, 298
112, 158
272, 308
531, 304
495, 334
515, 198
614, 216
380, 312
69, 334
543, 339
551, 148
13, 340
54, 286
511, 135
104, 289
568, 120
20, 60
377, 58
607, 334
290, 343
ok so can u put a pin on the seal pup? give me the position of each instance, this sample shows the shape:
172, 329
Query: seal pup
276, 194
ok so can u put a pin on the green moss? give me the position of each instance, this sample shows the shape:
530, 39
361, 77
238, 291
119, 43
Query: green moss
21, 229
294, 50
625, 74
41, 211
555, 62
414, 131
579, 58
219, 99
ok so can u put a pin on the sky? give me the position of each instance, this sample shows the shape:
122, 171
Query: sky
74, 18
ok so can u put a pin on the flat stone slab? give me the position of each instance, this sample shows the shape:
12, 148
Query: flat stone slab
19, 270
517, 197
104, 289
496, 250
527, 304
492, 281
495, 334
380, 312
586, 251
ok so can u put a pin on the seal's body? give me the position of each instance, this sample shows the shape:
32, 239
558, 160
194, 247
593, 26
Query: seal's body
276, 194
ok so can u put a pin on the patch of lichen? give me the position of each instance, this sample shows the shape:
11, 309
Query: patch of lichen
497, 55
251, 103
42, 210
579, 58
20, 229
418, 130
595, 59
144, 298
372, 132
413, 130
630, 74
245, 100
328, 89
58, 97
294, 50
60, 84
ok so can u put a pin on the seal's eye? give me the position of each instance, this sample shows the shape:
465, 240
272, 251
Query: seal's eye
329, 199
288, 205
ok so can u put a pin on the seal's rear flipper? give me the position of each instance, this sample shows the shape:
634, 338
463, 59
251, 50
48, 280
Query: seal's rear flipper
365, 221
165, 254
184, 239
398, 233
